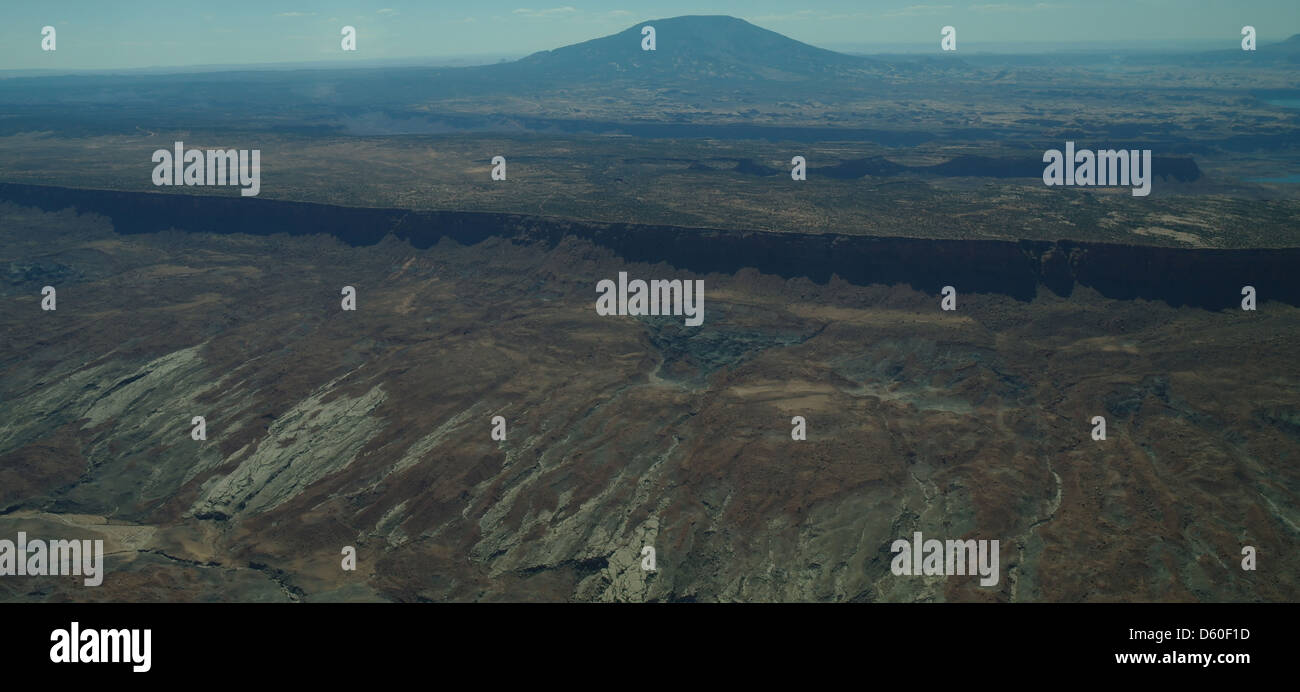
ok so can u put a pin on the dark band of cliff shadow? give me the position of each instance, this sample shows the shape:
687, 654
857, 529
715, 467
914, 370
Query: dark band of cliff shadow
1210, 279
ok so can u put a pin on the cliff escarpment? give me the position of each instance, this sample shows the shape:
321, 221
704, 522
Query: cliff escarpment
1205, 278
375, 427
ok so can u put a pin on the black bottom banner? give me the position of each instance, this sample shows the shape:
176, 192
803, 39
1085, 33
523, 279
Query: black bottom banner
151, 642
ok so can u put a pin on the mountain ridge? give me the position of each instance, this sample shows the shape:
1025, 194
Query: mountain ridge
694, 46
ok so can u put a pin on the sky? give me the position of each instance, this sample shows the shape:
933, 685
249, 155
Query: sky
123, 34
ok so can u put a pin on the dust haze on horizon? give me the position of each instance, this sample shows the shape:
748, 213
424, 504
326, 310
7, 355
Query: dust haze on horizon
136, 34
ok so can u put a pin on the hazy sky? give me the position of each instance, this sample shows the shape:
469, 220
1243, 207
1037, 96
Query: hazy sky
145, 33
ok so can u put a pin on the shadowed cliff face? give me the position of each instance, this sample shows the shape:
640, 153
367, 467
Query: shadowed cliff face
1210, 279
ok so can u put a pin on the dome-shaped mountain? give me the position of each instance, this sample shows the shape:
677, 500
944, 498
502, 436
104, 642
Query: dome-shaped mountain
692, 48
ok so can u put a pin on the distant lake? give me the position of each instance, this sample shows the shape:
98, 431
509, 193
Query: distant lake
1293, 178
1285, 103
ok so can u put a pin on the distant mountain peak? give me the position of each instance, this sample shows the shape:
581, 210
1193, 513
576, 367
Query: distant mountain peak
694, 47
1289, 48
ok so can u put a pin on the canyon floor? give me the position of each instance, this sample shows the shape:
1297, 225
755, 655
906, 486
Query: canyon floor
372, 428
